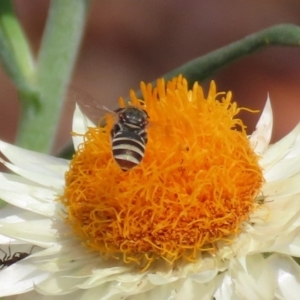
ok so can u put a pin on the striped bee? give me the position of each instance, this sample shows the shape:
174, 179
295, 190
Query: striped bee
129, 137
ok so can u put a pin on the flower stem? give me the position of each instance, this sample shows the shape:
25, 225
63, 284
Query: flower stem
42, 105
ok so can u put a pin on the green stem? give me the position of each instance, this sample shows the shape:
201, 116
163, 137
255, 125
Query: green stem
15, 52
55, 63
205, 66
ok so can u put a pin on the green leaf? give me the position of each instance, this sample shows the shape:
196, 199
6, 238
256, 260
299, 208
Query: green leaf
207, 65
15, 52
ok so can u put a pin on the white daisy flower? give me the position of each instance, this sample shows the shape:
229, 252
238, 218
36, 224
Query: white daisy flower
208, 213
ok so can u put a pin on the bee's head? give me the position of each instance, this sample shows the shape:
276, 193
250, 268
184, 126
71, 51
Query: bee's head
133, 116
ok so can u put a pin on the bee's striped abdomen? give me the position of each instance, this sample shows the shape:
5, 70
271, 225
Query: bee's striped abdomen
129, 137
128, 148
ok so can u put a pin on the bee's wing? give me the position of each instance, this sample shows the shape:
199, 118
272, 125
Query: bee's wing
90, 106
87, 104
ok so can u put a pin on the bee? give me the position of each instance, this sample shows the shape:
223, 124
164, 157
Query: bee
9, 259
129, 136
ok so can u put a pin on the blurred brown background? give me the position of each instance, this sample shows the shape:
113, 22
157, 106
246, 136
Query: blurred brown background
127, 41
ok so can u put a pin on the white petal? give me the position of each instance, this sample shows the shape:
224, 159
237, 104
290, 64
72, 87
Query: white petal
226, 288
287, 274
135, 286
182, 289
80, 126
295, 149
205, 276
280, 149
287, 244
118, 274
34, 161
283, 169
70, 280
287, 160
157, 279
33, 198
68, 255
52, 182
59, 284
284, 218
189, 290
159, 292
37, 232
32, 295
19, 279
246, 244
282, 188
261, 137
12, 214
252, 278
106, 291
6, 240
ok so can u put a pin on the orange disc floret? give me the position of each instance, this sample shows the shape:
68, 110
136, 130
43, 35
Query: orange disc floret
194, 187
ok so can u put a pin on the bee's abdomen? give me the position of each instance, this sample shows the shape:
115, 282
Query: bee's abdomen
128, 149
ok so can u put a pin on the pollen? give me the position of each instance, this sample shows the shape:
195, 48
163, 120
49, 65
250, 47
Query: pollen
195, 186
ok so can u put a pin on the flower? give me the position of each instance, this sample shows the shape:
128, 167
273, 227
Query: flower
194, 187
208, 212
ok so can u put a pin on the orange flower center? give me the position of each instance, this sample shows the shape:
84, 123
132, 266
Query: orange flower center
194, 187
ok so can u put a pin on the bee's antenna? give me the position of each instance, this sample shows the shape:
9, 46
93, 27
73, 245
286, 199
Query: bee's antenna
107, 109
